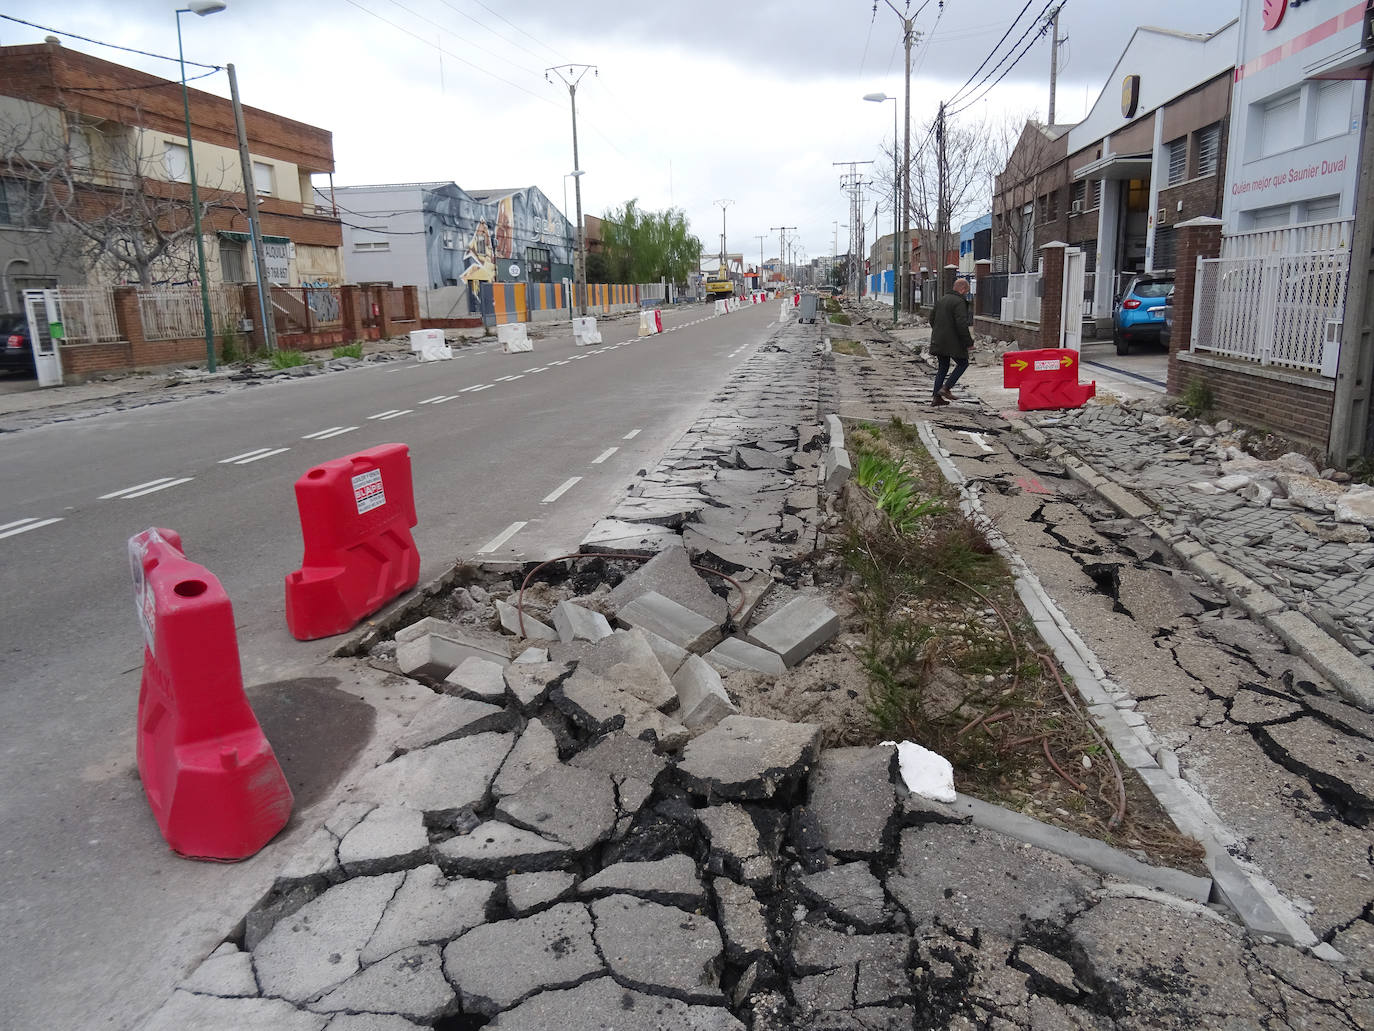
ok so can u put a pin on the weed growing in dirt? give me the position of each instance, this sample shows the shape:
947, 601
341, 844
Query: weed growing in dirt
353, 350
850, 347
841, 319
229, 350
1196, 399
286, 359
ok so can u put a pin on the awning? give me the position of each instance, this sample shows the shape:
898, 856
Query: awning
1116, 166
245, 237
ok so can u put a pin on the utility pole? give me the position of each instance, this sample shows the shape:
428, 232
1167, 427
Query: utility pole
1054, 58
724, 203
760, 237
853, 181
941, 208
782, 243
571, 78
250, 191
909, 36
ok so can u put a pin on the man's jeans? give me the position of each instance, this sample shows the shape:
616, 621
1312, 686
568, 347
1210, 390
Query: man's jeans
943, 379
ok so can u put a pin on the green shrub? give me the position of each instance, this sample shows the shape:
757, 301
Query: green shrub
353, 350
229, 351
283, 359
1196, 399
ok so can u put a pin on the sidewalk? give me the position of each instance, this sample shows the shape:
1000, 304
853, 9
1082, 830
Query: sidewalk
643, 830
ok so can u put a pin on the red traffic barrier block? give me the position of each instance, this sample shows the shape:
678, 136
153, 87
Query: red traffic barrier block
211, 778
1046, 378
658, 320
356, 514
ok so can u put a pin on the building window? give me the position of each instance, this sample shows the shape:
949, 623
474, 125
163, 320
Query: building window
1331, 114
1079, 196
1280, 129
1164, 248
21, 204
176, 159
1270, 218
262, 178
1322, 209
1208, 149
1178, 161
78, 146
1094, 194
371, 245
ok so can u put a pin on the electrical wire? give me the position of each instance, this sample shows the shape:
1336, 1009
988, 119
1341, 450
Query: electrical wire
993, 51
869, 39
102, 43
453, 32
517, 28
130, 89
1044, 27
486, 28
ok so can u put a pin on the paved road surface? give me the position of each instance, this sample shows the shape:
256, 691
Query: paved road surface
512, 455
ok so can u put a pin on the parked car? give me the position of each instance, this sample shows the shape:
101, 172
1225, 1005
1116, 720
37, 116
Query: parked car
16, 349
1138, 315
1166, 331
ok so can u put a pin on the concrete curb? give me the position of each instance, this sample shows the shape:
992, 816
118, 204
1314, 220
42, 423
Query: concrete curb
1352, 679
1255, 900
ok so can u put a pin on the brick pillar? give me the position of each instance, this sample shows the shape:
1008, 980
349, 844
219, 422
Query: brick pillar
982, 277
258, 337
382, 297
1052, 293
1197, 238
129, 321
351, 311
412, 303
947, 277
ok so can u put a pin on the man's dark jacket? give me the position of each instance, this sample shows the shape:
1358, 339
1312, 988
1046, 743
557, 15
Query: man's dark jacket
949, 332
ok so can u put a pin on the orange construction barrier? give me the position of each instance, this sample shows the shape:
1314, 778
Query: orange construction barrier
356, 515
1046, 378
212, 780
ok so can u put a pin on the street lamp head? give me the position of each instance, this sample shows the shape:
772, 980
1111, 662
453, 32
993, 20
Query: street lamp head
205, 7
878, 98
578, 171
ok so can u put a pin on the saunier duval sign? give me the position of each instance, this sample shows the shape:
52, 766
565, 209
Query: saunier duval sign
1272, 12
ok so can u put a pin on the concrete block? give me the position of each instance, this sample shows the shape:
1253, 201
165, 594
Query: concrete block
534, 630
734, 653
435, 656
479, 679
835, 428
837, 468
671, 621
428, 625
533, 655
670, 574
702, 699
797, 629
575, 623
616, 535
670, 656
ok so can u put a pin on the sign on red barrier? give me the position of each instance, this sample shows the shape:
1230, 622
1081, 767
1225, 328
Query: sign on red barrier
211, 778
658, 320
1046, 378
356, 515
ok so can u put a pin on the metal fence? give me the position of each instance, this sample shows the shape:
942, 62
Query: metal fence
1307, 238
1279, 309
175, 312
88, 314
1022, 302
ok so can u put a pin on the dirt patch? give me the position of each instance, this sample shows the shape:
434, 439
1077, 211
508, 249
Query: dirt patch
853, 348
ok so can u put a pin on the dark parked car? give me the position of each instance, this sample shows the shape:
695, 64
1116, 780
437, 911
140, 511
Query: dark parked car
1138, 315
16, 349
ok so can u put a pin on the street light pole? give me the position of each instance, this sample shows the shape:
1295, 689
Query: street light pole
250, 192
575, 73
896, 205
200, 8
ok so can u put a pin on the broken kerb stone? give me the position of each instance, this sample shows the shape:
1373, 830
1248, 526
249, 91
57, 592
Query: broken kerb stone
735, 653
670, 574
627, 660
747, 757
702, 699
736, 849
616, 535
836, 470
389, 838
602, 707
835, 430
527, 892
436, 656
445, 717
409, 983
226, 972
479, 679
429, 908
669, 882
442, 779
671, 621
575, 623
566, 803
535, 752
659, 949
495, 849
602, 1003
849, 893
533, 655
303, 957
797, 629
511, 621
742, 921
670, 656
529, 683
428, 625
496, 966
670, 512
853, 800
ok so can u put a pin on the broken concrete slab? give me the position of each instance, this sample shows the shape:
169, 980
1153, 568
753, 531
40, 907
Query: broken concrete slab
747, 757
601, 1003
735, 653
435, 657
429, 908
618, 536
670, 882
627, 660
670, 512
849, 893
797, 629
659, 949
601, 707
527, 892
670, 574
185, 1010
575, 623
756, 458
702, 699
852, 800
442, 779
735, 847
409, 984
495, 849
671, 621
226, 972
496, 966
743, 923
428, 625
532, 655
523, 625
534, 752
622, 757
670, 656
529, 683
446, 717
567, 803
479, 679
391, 837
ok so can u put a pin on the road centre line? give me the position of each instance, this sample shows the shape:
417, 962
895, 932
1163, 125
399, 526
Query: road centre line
379, 415
480, 386
142, 489
537, 368
431, 400
391, 413
566, 486
509, 379
558, 363
25, 525
259, 457
631, 435
604, 455
501, 538
246, 454
333, 431
467, 390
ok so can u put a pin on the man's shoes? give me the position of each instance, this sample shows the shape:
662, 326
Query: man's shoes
939, 402
948, 395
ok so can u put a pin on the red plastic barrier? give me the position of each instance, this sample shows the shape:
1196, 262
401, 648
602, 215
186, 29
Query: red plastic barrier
658, 320
210, 775
1047, 378
796, 300
356, 515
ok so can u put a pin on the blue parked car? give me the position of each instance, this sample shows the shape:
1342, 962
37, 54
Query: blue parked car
1138, 316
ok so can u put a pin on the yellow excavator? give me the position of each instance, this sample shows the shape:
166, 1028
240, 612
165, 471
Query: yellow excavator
719, 285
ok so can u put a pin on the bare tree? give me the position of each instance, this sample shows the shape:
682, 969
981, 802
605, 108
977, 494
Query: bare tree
1030, 155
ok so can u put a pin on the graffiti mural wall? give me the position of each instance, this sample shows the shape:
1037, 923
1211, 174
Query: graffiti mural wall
506, 236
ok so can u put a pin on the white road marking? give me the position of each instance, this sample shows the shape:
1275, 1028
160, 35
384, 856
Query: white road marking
130, 490
151, 487
25, 525
246, 454
604, 455
977, 438
431, 400
509, 379
468, 390
333, 431
483, 386
446, 399
265, 454
501, 538
384, 416
537, 368
558, 363
631, 435
568, 485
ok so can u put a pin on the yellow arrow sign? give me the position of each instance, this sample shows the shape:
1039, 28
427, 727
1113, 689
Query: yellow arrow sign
1066, 361
1018, 364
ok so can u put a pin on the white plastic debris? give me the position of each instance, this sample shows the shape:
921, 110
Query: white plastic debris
928, 774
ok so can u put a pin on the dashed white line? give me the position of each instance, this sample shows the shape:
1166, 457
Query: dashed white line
480, 386
432, 400
977, 438
253, 456
501, 538
604, 455
566, 486
558, 363
538, 368
391, 413
631, 435
141, 489
509, 379
25, 525
333, 431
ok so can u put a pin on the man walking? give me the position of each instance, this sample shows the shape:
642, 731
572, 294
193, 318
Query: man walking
950, 339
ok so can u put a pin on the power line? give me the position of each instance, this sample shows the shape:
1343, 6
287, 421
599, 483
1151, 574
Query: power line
994, 50
517, 28
130, 89
445, 28
504, 39
102, 43
1043, 27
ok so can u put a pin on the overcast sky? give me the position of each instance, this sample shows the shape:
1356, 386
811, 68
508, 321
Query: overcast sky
693, 102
